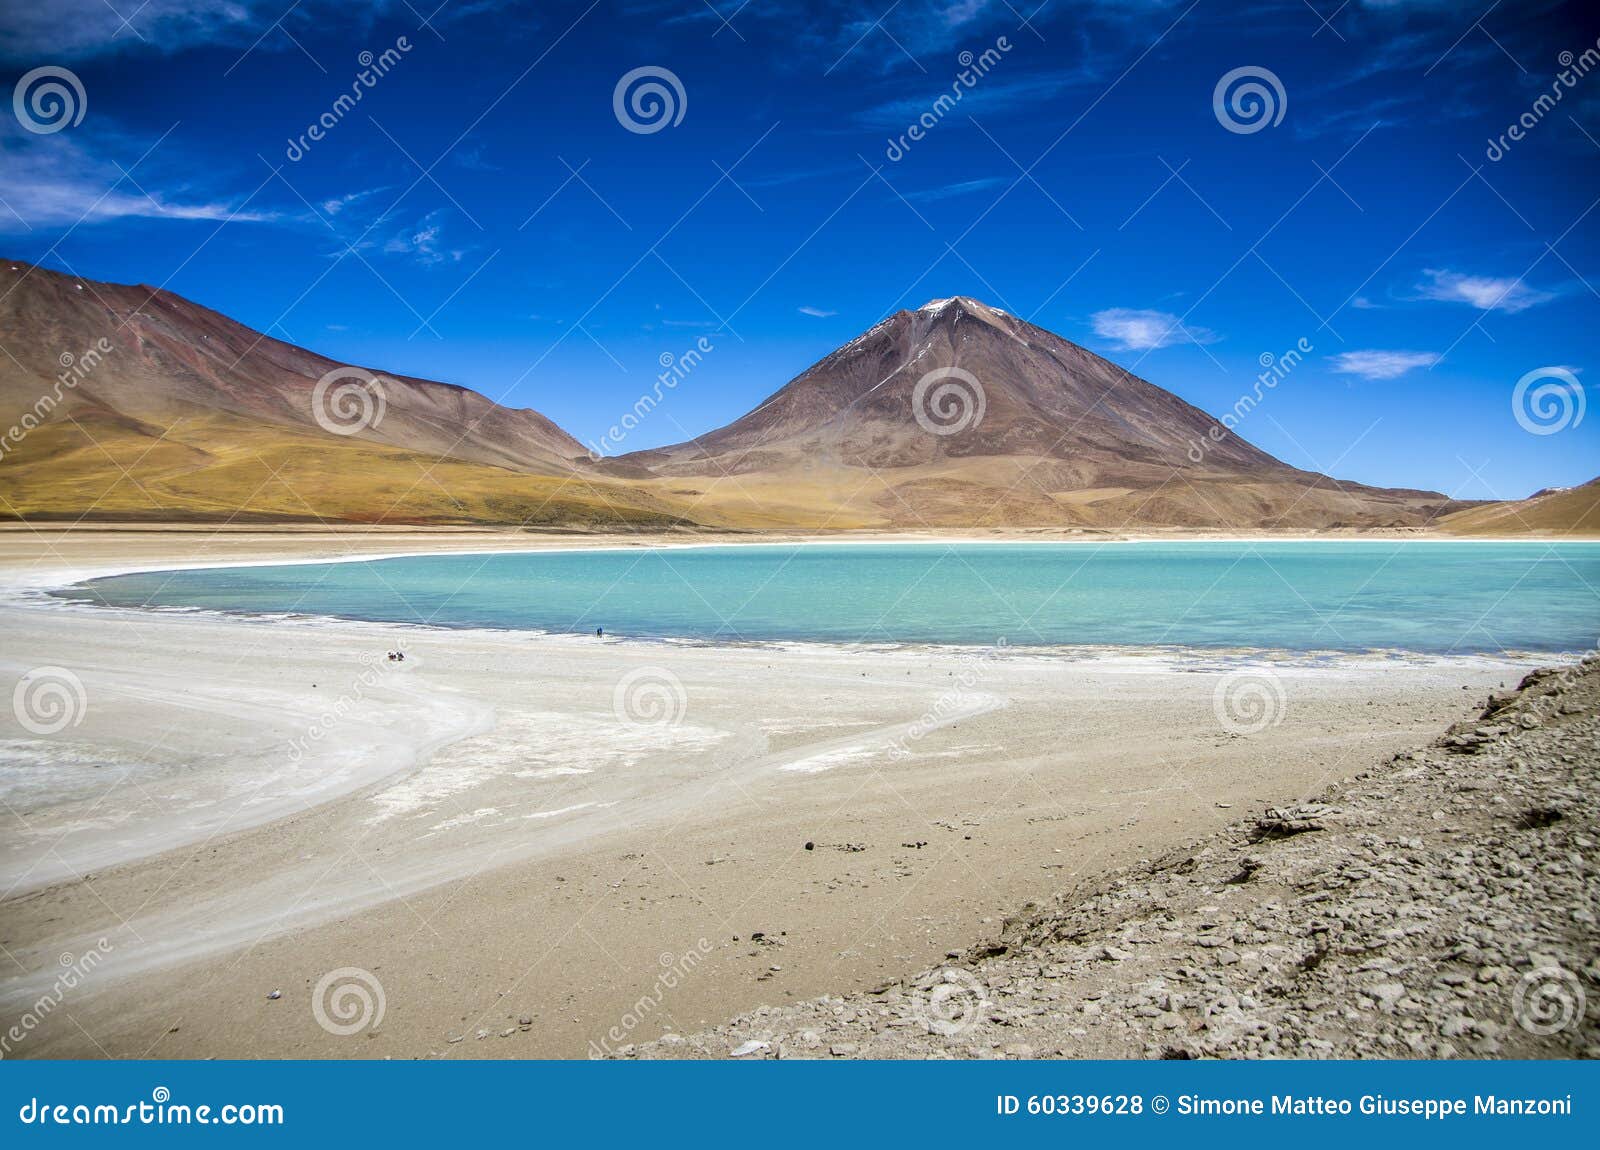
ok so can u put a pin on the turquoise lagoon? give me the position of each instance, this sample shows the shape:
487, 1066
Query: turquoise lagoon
1426, 597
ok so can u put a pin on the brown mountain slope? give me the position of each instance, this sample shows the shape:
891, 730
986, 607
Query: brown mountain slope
131, 402
1022, 428
1566, 511
173, 357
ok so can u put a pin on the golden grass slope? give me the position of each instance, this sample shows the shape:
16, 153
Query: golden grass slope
214, 467
1000, 492
1573, 511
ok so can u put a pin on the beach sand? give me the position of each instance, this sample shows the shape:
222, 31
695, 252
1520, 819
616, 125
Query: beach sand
541, 846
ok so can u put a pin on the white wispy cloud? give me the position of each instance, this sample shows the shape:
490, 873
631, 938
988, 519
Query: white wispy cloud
71, 30
1141, 329
336, 204
74, 29
52, 182
423, 241
991, 96
1487, 293
1382, 364
818, 312
960, 188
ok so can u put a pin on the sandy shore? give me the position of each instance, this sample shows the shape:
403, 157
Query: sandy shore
500, 829
1443, 904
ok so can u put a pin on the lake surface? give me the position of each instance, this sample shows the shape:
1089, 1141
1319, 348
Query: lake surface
1435, 598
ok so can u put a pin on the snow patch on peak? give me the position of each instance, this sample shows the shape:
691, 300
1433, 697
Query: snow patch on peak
967, 303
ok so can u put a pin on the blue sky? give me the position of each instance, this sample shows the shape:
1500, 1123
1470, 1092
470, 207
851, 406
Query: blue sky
485, 216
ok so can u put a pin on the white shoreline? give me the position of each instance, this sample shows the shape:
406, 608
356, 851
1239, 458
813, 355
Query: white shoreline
34, 590
600, 548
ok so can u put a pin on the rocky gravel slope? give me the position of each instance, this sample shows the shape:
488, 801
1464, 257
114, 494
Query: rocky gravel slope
1441, 905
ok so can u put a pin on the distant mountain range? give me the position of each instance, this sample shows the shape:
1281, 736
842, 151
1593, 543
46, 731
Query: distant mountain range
131, 403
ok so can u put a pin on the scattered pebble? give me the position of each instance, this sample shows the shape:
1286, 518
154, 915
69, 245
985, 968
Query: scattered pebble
1395, 916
